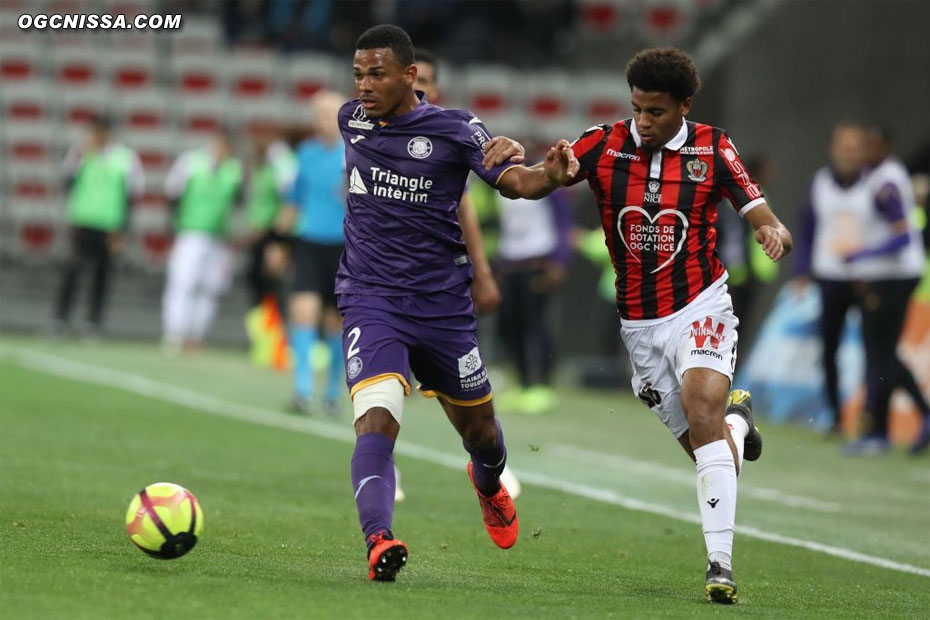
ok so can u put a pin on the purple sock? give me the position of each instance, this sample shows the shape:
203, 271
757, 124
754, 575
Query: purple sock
488, 463
373, 482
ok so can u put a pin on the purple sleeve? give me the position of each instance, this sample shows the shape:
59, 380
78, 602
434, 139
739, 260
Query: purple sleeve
888, 202
889, 246
562, 215
473, 136
807, 223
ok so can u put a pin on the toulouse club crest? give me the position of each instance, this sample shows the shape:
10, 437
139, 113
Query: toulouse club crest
697, 170
420, 147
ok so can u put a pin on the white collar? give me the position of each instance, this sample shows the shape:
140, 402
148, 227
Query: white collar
673, 145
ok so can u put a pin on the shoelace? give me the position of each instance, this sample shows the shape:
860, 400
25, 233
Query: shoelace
376, 539
493, 508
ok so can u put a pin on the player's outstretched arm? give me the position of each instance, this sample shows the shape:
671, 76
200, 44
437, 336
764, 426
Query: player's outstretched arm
771, 234
559, 166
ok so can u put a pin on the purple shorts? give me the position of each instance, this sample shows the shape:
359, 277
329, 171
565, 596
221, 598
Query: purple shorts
433, 337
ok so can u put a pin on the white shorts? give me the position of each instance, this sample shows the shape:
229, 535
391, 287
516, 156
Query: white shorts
700, 335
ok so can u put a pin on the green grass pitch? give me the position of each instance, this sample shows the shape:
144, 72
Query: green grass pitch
84, 427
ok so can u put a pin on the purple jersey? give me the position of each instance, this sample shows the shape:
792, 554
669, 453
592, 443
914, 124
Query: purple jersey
406, 178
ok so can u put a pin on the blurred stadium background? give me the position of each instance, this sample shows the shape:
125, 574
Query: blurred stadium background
776, 74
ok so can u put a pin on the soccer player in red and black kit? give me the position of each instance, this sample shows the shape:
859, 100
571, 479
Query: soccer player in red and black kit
658, 178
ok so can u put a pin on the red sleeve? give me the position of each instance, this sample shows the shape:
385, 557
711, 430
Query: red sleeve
738, 187
588, 148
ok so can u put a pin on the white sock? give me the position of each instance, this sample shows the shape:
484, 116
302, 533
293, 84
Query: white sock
739, 428
399, 494
716, 490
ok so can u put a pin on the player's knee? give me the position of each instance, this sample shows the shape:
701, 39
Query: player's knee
377, 420
481, 431
705, 416
378, 408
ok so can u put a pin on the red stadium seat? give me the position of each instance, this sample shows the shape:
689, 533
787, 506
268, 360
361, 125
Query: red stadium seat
663, 19
78, 107
131, 76
16, 68
197, 76
307, 74
20, 61
157, 245
76, 68
667, 20
153, 199
33, 184
264, 112
37, 237
487, 90
157, 150
144, 110
154, 159
250, 74
203, 114
26, 102
602, 98
545, 94
30, 144
31, 189
600, 15
76, 73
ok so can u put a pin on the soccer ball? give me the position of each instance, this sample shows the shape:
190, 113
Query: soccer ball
164, 520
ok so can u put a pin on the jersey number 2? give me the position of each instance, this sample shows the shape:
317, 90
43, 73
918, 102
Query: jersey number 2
355, 333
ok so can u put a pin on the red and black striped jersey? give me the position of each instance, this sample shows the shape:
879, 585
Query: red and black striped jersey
658, 210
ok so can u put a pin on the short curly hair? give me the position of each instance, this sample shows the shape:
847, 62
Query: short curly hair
388, 35
664, 70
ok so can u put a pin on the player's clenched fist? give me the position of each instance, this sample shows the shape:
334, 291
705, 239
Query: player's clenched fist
772, 242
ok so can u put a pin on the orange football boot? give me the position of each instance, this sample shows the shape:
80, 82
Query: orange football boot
386, 557
500, 515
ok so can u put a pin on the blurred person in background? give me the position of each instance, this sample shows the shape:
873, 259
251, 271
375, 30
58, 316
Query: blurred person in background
484, 291
887, 263
274, 167
203, 186
532, 255
314, 211
658, 179
271, 180
830, 228
102, 177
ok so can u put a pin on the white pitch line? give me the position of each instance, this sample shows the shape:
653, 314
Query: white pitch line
87, 373
684, 478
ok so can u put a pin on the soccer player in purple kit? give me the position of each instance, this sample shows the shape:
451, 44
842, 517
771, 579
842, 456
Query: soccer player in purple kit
403, 282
